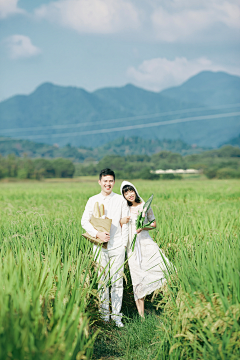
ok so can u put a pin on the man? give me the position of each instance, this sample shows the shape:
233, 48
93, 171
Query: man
113, 257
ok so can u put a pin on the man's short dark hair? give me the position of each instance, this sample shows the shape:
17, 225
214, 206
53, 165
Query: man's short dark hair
106, 172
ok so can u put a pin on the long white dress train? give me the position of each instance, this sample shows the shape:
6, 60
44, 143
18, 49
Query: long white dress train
148, 268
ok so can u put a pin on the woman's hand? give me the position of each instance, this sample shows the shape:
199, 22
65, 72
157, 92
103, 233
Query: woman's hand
125, 220
139, 230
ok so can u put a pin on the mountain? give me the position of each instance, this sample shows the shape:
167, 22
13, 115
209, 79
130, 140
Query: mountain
121, 146
234, 141
69, 115
136, 101
137, 146
208, 88
56, 114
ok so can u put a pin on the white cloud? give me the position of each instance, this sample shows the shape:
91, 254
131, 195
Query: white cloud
161, 73
179, 20
20, 46
9, 7
92, 16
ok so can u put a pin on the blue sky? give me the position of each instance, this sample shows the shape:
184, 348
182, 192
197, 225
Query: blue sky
91, 44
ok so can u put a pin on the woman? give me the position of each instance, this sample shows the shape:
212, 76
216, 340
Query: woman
147, 263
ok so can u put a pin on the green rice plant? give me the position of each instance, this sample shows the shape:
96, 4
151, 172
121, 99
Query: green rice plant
198, 229
46, 284
48, 280
43, 306
202, 306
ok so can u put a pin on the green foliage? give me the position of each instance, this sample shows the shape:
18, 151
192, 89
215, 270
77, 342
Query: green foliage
32, 149
227, 173
48, 281
45, 267
147, 175
63, 168
135, 341
197, 229
123, 146
42, 305
202, 304
25, 168
220, 163
44, 167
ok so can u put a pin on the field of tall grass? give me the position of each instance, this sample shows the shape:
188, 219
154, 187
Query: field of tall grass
48, 279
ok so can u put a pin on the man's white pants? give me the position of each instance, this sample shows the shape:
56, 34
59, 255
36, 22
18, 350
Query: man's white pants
113, 263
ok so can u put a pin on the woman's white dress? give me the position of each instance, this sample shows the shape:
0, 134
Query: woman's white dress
149, 269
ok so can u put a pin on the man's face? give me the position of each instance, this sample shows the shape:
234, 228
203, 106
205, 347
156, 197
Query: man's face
107, 182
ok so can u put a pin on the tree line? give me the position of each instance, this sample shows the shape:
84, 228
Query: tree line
220, 163
122, 146
26, 168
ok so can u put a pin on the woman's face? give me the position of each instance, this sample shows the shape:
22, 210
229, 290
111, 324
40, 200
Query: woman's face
130, 195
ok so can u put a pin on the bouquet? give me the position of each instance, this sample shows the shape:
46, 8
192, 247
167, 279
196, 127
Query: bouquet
100, 222
140, 220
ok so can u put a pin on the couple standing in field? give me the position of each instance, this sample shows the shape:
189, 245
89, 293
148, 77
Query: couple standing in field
147, 263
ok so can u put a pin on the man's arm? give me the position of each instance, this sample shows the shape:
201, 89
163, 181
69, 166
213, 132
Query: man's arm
125, 212
85, 222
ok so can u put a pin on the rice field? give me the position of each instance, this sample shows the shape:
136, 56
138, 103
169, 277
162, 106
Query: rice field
48, 280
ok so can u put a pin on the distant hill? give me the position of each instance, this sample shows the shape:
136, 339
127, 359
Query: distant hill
234, 141
208, 88
70, 115
121, 146
21, 148
137, 146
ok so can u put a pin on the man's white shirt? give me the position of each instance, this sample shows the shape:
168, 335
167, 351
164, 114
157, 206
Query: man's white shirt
115, 207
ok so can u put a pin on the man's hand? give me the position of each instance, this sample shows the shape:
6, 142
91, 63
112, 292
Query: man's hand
103, 236
139, 230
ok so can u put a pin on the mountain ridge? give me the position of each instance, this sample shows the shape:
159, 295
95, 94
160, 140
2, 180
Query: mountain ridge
72, 115
198, 82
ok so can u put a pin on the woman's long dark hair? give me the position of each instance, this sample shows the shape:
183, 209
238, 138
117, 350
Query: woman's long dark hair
127, 188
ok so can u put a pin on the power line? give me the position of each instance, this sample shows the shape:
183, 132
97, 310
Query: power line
140, 126
130, 118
